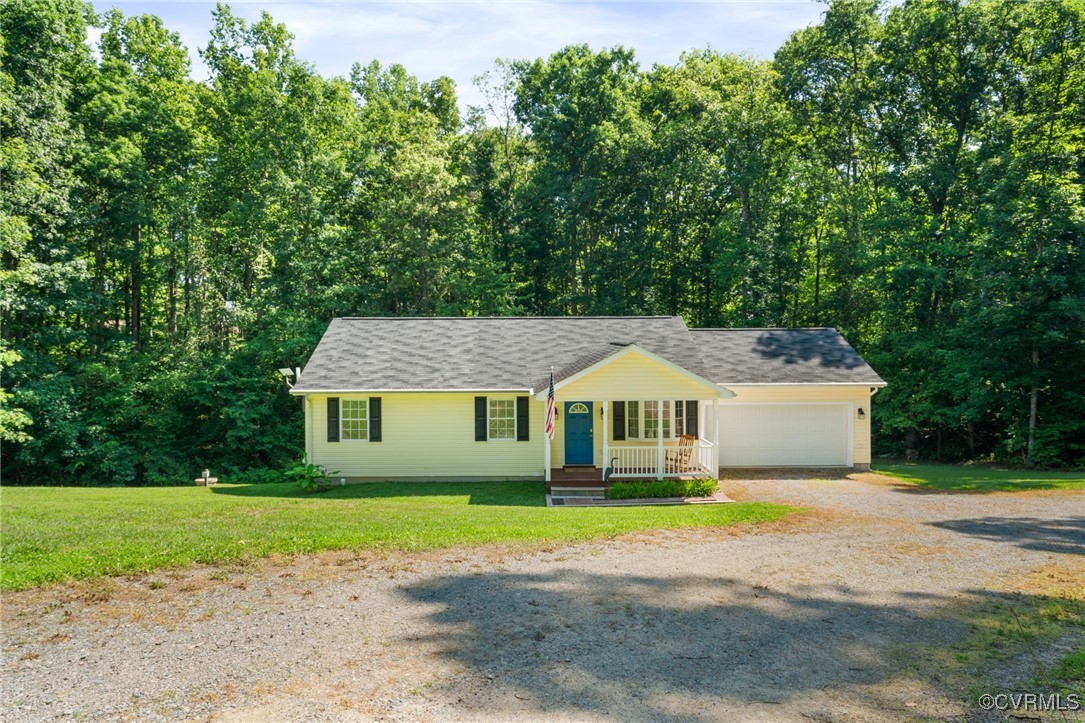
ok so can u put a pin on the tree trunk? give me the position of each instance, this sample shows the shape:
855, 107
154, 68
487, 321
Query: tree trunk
1033, 399
172, 295
137, 288
817, 276
911, 436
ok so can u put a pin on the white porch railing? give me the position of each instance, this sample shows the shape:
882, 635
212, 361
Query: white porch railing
670, 460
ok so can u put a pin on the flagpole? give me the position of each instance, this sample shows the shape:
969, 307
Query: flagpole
548, 424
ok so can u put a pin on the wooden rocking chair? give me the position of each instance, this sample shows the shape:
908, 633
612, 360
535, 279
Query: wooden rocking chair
680, 460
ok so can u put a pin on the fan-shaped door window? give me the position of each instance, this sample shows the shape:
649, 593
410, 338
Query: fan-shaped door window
579, 408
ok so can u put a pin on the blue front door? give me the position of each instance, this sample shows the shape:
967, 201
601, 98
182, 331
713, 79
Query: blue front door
579, 446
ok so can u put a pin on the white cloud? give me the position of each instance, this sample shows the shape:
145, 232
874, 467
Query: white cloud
462, 39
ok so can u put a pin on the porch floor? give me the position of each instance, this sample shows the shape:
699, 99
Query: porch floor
592, 477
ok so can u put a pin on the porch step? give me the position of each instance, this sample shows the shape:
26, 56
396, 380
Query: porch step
600, 492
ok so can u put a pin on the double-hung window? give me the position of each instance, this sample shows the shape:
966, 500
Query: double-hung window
632, 420
354, 419
643, 419
502, 418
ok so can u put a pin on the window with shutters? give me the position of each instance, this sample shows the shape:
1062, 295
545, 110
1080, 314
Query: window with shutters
502, 418
643, 419
354, 419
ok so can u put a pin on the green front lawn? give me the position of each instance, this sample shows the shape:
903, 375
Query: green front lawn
60, 533
979, 478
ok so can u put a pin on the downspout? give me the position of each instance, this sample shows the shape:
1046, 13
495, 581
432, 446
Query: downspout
309, 429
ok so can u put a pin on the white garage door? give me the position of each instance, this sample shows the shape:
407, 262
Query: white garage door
784, 435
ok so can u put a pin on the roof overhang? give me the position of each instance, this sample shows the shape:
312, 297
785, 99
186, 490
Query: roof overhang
300, 392
723, 392
806, 384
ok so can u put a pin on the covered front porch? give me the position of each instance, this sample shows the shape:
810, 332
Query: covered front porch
592, 477
598, 440
633, 414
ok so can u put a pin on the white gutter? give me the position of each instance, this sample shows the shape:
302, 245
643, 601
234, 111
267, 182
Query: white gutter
410, 391
804, 384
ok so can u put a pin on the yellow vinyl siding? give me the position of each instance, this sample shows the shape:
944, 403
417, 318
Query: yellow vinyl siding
857, 396
634, 376
426, 434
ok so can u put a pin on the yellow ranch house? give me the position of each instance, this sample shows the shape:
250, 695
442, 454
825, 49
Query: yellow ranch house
635, 397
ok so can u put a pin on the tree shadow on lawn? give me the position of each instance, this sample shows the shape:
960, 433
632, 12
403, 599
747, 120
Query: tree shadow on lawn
693, 647
1065, 535
517, 493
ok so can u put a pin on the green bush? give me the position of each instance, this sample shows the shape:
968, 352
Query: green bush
311, 477
258, 476
661, 488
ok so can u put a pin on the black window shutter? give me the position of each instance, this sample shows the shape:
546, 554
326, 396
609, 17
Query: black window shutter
374, 419
480, 419
691, 417
619, 421
333, 419
521, 419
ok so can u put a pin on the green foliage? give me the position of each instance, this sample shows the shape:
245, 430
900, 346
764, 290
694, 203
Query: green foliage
661, 488
310, 477
257, 476
55, 534
908, 173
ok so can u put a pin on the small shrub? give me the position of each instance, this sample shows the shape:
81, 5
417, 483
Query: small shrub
311, 477
661, 488
258, 476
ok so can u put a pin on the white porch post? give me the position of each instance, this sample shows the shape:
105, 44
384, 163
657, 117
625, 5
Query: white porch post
606, 448
546, 452
659, 439
715, 438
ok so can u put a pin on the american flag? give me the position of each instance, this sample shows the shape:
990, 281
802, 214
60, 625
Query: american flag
550, 410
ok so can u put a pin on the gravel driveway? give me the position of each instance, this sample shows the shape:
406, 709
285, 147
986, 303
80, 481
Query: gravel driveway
809, 618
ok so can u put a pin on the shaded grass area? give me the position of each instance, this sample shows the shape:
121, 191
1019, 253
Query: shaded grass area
979, 478
1030, 638
63, 533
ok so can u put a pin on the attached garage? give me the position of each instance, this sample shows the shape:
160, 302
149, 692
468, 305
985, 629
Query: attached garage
803, 397
785, 435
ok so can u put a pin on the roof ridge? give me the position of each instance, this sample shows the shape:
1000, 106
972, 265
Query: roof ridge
762, 328
492, 318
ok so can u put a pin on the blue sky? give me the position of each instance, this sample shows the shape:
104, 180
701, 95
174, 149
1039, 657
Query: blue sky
462, 38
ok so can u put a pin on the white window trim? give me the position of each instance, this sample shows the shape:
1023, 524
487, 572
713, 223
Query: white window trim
342, 418
641, 416
489, 401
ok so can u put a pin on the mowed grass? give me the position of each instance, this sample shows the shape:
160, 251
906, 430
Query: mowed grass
62, 533
979, 478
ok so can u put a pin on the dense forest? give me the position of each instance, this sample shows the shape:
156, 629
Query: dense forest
910, 174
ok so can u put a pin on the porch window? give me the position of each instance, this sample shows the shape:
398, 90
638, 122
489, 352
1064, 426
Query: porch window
502, 419
354, 419
644, 418
653, 416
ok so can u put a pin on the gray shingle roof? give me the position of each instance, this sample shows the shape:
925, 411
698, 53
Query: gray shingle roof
517, 353
482, 353
782, 356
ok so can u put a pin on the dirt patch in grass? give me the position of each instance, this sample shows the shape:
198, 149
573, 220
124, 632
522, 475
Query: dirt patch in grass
1022, 637
160, 598
839, 612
